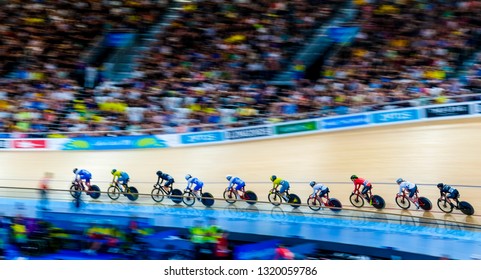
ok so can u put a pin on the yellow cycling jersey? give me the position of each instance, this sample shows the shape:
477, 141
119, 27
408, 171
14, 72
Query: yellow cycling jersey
277, 181
117, 173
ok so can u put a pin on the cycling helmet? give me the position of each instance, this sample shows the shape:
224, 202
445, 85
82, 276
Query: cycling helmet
354, 177
440, 185
159, 173
113, 171
312, 183
273, 177
188, 176
399, 180
75, 170
228, 177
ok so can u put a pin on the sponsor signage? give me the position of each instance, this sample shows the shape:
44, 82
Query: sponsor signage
348, 121
296, 127
29, 144
114, 143
3, 144
202, 137
447, 111
396, 116
248, 133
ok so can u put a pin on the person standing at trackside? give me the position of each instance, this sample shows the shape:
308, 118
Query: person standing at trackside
236, 183
169, 180
43, 187
318, 189
122, 178
82, 175
194, 184
408, 186
449, 192
276, 182
366, 186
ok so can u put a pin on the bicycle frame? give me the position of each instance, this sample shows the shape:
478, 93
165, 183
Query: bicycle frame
405, 195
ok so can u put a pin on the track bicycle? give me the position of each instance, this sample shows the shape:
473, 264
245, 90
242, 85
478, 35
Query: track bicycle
77, 188
158, 193
357, 199
115, 190
446, 205
403, 201
249, 196
317, 202
189, 198
276, 198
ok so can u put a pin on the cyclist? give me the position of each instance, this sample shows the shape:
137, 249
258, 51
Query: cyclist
169, 180
236, 183
408, 186
366, 186
82, 175
122, 178
449, 192
276, 182
319, 189
191, 181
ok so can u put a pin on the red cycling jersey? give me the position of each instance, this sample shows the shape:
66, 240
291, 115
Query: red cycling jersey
361, 182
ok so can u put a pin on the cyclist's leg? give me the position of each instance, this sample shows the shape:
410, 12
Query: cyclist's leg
365, 192
283, 189
412, 193
196, 190
239, 188
168, 186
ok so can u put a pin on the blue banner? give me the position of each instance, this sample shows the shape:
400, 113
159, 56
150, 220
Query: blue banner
342, 34
259, 251
114, 143
202, 137
396, 116
345, 121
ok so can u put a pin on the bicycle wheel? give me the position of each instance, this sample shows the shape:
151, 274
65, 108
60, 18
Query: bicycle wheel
403, 202
378, 202
188, 198
294, 200
274, 197
313, 203
94, 191
133, 194
335, 205
176, 196
157, 194
207, 199
113, 192
229, 196
75, 191
356, 200
466, 208
425, 203
251, 197
445, 206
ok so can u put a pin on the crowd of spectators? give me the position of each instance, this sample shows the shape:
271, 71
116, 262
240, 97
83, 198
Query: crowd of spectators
209, 69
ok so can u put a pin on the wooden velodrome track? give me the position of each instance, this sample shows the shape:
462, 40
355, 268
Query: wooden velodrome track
424, 153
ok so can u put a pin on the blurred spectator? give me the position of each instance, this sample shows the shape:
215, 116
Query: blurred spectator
222, 249
4, 237
43, 188
283, 253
